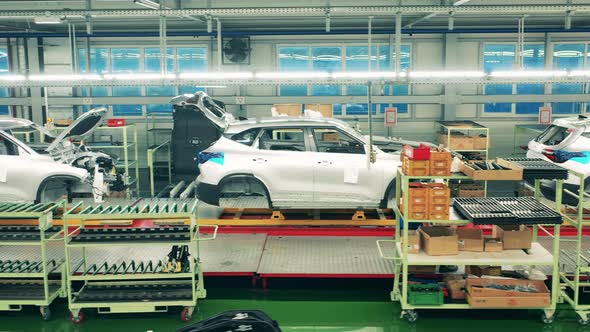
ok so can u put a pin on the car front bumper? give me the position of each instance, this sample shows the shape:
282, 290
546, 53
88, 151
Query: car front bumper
208, 193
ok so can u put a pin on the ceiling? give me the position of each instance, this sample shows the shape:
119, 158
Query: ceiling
505, 18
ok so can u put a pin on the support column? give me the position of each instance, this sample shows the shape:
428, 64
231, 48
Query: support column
548, 62
450, 91
34, 66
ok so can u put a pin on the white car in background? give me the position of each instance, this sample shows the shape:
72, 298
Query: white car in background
294, 162
44, 173
566, 143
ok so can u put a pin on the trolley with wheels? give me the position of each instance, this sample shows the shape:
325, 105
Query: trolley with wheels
108, 270
36, 278
402, 259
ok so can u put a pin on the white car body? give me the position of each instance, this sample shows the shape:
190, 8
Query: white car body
565, 143
291, 165
24, 173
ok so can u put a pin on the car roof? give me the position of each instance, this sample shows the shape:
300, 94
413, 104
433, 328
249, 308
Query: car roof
281, 121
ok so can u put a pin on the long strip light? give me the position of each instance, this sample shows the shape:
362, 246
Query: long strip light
529, 73
418, 76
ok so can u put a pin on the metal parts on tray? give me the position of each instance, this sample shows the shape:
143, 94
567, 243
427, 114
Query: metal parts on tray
539, 169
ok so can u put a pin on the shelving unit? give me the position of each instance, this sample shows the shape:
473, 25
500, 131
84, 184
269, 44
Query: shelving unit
537, 256
27, 281
573, 285
158, 124
449, 127
130, 160
114, 285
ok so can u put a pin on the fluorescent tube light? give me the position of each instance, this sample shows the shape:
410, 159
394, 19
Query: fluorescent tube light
12, 77
446, 74
367, 75
528, 73
47, 20
217, 75
138, 76
580, 73
147, 3
293, 75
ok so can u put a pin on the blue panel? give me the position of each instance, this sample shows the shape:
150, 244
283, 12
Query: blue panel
357, 90
529, 89
360, 109
189, 89
191, 59
152, 60
164, 91
293, 90
126, 110
384, 58
125, 59
326, 59
401, 90
337, 108
498, 89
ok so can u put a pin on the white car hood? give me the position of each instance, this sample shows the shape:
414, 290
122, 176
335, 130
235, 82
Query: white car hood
78, 130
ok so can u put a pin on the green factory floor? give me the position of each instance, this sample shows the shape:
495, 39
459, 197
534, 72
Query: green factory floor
313, 306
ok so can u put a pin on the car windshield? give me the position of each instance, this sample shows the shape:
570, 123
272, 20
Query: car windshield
554, 135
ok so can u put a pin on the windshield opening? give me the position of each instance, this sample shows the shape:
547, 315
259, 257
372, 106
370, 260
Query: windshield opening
554, 135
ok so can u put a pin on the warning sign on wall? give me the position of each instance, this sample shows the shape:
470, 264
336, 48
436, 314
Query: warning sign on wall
390, 116
545, 114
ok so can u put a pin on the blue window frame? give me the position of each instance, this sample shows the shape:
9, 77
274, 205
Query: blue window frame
152, 64
191, 59
498, 57
99, 60
568, 57
126, 60
327, 59
4, 68
293, 59
533, 59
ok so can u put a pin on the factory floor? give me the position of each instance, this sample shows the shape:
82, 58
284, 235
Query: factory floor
301, 305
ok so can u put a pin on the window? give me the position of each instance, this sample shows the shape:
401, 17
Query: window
503, 57
246, 137
4, 92
553, 135
333, 141
337, 58
7, 148
129, 60
282, 139
567, 57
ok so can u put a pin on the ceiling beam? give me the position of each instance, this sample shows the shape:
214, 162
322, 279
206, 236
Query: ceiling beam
493, 10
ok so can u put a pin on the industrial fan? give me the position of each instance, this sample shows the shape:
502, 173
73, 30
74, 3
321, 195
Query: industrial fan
236, 50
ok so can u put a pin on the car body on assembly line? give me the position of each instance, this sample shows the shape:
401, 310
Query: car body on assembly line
42, 173
566, 143
294, 162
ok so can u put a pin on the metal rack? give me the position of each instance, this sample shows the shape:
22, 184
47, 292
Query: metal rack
537, 256
126, 144
153, 164
574, 285
114, 285
27, 281
449, 127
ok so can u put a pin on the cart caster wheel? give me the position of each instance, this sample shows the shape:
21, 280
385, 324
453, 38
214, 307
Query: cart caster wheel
77, 319
583, 322
546, 319
411, 316
186, 315
45, 313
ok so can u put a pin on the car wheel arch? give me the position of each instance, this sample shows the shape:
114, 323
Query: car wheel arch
68, 179
248, 176
390, 187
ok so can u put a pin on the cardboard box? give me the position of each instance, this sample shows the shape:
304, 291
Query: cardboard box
471, 190
413, 242
470, 239
438, 241
289, 109
484, 270
513, 236
498, 175
457, 289
458, 142
426, 269
331, 137
327, 110
480, 143
480, 296
493, 245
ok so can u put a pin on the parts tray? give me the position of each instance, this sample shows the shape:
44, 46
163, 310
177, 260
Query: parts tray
156, 234
506, 210
536, 169
134, 293
26, 290
25, 233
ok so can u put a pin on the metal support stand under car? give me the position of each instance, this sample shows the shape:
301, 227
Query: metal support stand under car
116, 285
536, 256
26, 281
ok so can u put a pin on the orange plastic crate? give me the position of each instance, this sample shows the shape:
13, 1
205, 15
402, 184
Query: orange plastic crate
415, 167
440, 163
